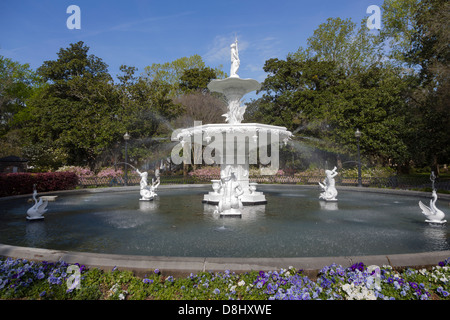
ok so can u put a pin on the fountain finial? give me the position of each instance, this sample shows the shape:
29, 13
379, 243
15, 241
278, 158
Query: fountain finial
235, 62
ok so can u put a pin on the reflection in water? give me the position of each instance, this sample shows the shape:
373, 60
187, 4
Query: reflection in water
437, 235
148, 206
35, 232
247, 212
329, 205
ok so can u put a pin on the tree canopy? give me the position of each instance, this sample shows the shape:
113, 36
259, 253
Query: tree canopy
392, 85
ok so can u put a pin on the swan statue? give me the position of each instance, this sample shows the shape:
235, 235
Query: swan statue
433, 214
40, 207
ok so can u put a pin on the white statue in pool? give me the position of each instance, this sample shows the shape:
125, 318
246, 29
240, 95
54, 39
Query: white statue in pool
38, 209
148, 192
231, 190
329, 189
433, 214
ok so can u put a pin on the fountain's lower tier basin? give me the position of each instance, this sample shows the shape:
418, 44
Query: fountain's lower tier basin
293, 223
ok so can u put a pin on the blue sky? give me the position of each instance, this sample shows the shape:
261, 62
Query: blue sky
139, 33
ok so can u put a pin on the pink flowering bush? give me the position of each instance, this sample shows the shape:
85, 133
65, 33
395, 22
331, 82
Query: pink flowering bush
79, 171
205, 172
110, 173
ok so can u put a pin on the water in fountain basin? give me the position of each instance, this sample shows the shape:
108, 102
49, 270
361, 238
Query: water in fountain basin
294, 223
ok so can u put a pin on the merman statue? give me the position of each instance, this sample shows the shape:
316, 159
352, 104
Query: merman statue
329, 189
148, 192
231, 190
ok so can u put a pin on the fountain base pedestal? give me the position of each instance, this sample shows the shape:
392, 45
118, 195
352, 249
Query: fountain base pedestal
436, 222
231, 212
35, 218
247, 199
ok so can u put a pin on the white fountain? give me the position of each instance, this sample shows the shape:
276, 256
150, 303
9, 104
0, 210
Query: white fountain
233, 145
36, 212
433, 214
329, 186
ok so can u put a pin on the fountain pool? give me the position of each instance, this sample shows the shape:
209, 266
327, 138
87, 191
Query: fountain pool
293, 223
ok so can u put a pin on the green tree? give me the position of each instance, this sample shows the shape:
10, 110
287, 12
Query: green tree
342, 42
417, 36
72, 119
197, 79
430, 54
148, 111
398, 27
171, 72
317, 99
17, 82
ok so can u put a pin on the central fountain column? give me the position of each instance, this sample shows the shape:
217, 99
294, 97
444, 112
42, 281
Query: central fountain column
236, 145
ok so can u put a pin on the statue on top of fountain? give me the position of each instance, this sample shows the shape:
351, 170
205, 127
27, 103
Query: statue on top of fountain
231, 190
235, 62
235, 112
329, 189
148, 192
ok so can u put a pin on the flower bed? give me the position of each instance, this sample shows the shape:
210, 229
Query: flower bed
22, 279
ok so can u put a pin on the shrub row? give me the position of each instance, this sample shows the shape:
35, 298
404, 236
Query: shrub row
22, 183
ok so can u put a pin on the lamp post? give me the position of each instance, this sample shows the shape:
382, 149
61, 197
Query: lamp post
358, 136
126, 137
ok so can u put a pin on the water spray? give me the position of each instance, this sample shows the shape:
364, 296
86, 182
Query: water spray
128, 164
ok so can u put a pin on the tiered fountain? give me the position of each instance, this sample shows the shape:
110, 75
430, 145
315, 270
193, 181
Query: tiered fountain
234, 145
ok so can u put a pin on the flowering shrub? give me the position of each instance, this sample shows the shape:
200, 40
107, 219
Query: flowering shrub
205, 172
26, 279
110, 172
79, 171
22, 183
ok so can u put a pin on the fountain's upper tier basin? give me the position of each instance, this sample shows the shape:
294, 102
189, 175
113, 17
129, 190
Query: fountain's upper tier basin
234, 83
237, 129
